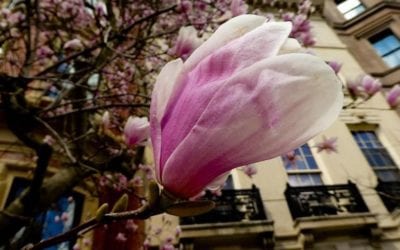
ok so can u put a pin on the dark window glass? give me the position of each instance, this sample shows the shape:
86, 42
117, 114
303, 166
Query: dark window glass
377, 155
387, 45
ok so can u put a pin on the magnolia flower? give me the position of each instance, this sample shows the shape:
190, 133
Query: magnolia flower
238, 7
242, 97
178, 231
48, 139
370, 85
64, 217
393, 96
364, 86
100, 9
291, 157
136, 130
86, 242
121, 237
249, 170
336, 66
186, 42
131, 225
106, 120
327, 144
74, 44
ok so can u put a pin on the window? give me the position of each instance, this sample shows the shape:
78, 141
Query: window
52, 221
302, 170
350, 8
387, 45
377, 155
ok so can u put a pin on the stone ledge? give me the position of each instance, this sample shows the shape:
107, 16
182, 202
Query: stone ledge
331, 222
227, 229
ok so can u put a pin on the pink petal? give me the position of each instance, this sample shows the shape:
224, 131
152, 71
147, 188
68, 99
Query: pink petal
164, 87
250, 119
199, 85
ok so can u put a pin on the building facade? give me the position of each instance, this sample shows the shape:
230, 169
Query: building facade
344, 200
333, 201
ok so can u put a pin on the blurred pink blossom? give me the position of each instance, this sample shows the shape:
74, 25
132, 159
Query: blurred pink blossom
238, 7
44, 52
86, 242
74, 44
131, 225
186, 42
64, 217
364, 86
48, 139
106, 120
148, 171
146, 244
393, 96
249, 170
136, 130
100, 9
291, 157
137, 181
328, 144
370, 85
121, 237
336, 66
228, 106
178, 231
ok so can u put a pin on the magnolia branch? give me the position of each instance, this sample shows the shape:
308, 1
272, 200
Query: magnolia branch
89, 109
141, 213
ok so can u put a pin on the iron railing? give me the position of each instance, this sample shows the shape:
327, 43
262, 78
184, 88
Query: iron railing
232, 206
321, 200
389, 191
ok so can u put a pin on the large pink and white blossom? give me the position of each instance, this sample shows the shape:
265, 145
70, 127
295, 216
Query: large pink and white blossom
393, 96
136, 130
244, 96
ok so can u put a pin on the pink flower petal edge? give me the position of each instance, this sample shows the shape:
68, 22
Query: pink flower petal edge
241, 102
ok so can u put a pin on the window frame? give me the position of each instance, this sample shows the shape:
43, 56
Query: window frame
308, 159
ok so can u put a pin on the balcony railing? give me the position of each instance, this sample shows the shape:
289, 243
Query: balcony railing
389, 193
324, 200
232, 206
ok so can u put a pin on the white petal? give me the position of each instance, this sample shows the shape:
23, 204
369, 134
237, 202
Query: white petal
290, 46
165, 86
232, 29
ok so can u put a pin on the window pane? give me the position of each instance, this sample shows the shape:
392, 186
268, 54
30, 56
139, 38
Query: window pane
316, 178
393, 59
388, 175
293, 180
354, 12
376, 155
348, 5
296, 180
386, 44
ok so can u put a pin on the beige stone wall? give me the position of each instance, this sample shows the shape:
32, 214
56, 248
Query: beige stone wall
348, 164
